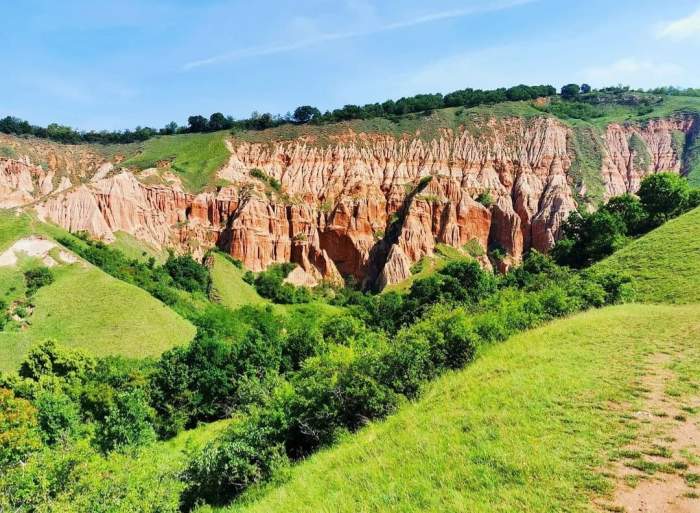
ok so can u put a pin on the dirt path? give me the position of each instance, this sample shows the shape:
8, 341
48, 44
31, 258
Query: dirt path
660, 471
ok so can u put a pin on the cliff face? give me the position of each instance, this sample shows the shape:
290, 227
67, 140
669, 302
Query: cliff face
359, 205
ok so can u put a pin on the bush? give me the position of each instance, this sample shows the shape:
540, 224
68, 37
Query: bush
50, 359
485, 199
246, 454
19, 429
188, 274
128, 423
37, 278
58, 416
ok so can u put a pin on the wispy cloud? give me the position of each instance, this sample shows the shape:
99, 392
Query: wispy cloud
680, 29
258, 51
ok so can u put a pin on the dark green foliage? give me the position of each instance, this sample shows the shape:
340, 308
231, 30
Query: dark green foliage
664, 195
37, 278
187, 273
631, 211
588, 238
128, 423
306, 113
572, 109
247, 454
570, 91
58, 416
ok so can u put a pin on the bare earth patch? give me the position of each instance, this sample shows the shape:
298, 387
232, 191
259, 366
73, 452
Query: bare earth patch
660, 471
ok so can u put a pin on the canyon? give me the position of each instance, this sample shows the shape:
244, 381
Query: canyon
365, 206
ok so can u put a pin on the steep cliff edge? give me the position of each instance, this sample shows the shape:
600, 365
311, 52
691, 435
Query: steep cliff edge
329, 205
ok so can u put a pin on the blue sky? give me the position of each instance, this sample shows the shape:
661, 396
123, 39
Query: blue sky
117, 64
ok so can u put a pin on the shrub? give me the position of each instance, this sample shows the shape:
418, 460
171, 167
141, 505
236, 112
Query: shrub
628, 208
58, 416
19, 429
37, 278
128, 423
485, 199
50, 359
188, 274
246, 454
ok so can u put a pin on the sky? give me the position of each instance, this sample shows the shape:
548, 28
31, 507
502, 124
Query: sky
118, 64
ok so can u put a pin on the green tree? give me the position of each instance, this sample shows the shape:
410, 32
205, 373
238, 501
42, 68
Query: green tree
37, 278
630, 210
19, 429
58, 416
570, 91
664, 195
306, 113
128, 423
50, 359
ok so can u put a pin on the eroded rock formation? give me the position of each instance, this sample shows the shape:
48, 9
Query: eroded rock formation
340, 200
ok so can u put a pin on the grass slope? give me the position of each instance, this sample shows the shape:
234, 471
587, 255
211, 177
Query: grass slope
228, 283
195, 158
665, 263
522, 429
84, 308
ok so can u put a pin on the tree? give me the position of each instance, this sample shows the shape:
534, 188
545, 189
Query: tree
128, 423
664, 195
585, 88
630, 210
306, 113
37, 278
50, 359
570, 91
197, 123
217, 121
58, 416
19, 433
187, 273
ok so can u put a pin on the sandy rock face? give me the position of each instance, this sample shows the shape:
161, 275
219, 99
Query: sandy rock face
357, 206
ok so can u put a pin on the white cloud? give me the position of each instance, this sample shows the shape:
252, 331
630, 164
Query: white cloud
635, 72
318, 39
680, 29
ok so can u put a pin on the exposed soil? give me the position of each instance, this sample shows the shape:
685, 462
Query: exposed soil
659, 471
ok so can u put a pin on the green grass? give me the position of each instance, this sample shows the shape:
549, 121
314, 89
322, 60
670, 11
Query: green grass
228, 283
195, 158
525, 428
665, 263
84, 308
137, 249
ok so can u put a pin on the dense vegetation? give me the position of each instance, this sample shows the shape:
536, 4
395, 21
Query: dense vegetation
290, 381
579, 102
588, 237
293, 382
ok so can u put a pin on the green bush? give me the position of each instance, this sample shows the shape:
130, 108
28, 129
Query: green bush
58, 416
37, 278
188, 274
664, 195
19, 429
128, 423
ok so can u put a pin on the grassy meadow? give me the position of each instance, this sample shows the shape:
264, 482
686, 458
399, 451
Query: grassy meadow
525, 428
665, 263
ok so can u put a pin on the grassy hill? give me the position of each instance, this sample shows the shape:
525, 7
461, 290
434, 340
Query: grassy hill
525, 428
665, 263
84, 308
227, 280
195, 158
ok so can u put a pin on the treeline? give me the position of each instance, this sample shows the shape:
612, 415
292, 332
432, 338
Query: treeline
261, 121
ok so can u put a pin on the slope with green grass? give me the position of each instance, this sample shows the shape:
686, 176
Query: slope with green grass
84, 307
525, 428
665, 263
228, 284
195, 158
